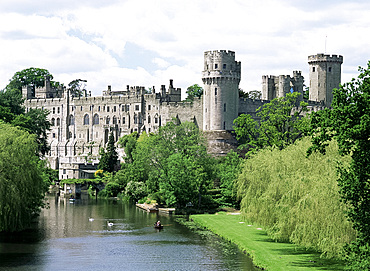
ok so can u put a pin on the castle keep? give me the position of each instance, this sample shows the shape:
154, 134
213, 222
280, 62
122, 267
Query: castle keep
80, 126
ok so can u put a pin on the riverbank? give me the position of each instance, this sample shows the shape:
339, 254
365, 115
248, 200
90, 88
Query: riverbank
267, 254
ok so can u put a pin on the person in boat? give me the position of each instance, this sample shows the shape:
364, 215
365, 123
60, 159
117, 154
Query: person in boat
158, 224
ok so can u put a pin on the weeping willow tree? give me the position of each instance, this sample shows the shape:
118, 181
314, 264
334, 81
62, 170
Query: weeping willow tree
296, 198
22, 187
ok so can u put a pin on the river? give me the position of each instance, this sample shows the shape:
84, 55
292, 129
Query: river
76, 236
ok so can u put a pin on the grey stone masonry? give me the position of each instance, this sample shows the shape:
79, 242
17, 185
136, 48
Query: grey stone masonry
221, 77
325, 75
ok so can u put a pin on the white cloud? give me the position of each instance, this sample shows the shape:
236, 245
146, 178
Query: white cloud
89, 39
161, 62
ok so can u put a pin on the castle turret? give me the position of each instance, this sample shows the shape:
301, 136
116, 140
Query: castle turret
325, 74
221, 77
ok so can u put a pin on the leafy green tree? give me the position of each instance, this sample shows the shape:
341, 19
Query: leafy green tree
194, 91
35, 122
228, 169
109, 157
183, 180
77, 88
136, 190
306, 93
11, 99
348, 122
176, 144
243, 94
279, 124
128, 143
34, 77
22, 187
12, 109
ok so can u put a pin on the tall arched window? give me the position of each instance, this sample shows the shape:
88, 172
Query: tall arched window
107, 121
71, 120
58, 121
86, 119
52, 122
96, 119
148, 118
114, 120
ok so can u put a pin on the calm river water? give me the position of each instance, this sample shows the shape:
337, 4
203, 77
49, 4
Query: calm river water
66, 239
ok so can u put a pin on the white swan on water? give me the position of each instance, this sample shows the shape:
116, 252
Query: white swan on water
110, 224
91, 219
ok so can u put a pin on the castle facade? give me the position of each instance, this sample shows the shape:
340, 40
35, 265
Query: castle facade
80, 126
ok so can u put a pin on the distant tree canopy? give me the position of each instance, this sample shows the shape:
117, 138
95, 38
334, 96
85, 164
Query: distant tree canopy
243, 94
34, 77
278, 125
77, 87
194, 91
254, 94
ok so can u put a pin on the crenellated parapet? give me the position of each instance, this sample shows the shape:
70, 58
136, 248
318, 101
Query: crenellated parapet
221, 64
325, 58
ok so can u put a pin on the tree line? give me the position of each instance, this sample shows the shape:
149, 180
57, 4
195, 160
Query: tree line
278, 178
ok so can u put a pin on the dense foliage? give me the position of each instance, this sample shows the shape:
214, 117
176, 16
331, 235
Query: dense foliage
33, 77
279, 124
194, 91
77, 88
348, 122
296, 198
12, 110
109, 157
173, 168
22, 186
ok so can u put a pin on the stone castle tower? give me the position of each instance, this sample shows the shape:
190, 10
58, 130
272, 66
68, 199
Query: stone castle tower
278, 86
221, 77
325, 74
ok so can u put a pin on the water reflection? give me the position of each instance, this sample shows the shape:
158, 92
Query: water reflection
66, 239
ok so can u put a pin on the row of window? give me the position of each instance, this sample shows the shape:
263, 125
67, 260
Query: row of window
314, 69
125, 108
114, 108
71, 120
223, 66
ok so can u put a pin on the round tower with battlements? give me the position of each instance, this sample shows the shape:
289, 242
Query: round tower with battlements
221, 77
325, 74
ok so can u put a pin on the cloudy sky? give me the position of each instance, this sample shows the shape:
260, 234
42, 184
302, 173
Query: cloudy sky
148, 42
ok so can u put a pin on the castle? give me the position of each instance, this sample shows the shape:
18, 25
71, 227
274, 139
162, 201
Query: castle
80, 126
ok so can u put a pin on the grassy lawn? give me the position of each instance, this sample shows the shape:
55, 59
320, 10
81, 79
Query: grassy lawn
265, 253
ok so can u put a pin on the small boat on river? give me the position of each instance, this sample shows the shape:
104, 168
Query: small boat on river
158, 225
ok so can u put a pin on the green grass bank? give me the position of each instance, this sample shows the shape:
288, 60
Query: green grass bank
266, 253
